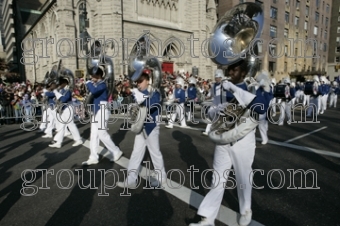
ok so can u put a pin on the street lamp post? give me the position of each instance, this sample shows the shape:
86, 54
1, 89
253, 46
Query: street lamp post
35, 72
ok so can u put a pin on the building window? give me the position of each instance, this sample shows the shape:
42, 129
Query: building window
273, 12
337, 59
296, 35
285, 67
324, 47
315, 30
326, 23
285, 33
316, 17
317, 3
337, 49
297, 4
81, 17
296, 21
323, 5
325, 36
287, 17
241, 1
286, 50
338, 31
338, 40
274, 1
306, 25
339, 19
322, 19
272, 49
327, 8
273, 31
287, 2
307, 10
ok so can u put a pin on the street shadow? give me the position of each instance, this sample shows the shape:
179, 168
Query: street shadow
12, 191
73, 210
157, 212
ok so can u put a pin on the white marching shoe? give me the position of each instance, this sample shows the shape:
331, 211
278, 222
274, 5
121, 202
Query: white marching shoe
246, 218
47, 136
169, 126
90, 162
203, 222
205, 133
116, 157
54, 144
77, 143
124, 184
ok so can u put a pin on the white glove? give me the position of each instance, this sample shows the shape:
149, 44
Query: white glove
57, 94
243, 97
88, 81
265, 85
139, 96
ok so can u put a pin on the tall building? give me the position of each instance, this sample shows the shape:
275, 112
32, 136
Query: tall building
178, 30
300, 29
18, 16
334, 42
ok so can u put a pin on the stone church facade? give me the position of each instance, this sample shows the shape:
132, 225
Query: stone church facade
179, 30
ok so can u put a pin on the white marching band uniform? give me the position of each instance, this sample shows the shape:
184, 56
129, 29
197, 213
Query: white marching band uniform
215, 95
240, 155
314, 100
148, 137
179, 94
287, 103
333, 98
100, 117
65, 119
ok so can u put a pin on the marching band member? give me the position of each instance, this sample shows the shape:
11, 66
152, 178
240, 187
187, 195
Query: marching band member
149, 137
240, 154
51, 110
192, 94
180, 109
286, 103
264, 88
97, 87
333, 99
65, 118
273, 101
324, 94
314, 98
216, 94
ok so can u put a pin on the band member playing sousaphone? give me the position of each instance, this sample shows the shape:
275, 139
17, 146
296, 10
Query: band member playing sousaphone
235, 146
65, 110
97, 87
145, 72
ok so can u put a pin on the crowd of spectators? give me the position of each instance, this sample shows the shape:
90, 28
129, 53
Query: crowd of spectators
15, 97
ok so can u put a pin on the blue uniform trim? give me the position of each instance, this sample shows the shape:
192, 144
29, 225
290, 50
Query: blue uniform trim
51, 97
65, 98
180, 94
192, 92
99, 92
153, 104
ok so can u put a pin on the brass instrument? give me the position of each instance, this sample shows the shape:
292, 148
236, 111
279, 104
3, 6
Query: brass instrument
139, 61
235, 35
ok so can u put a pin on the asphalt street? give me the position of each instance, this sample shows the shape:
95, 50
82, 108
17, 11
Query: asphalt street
282, 198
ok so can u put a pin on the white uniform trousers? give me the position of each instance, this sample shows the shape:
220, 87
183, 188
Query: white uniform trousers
51, 117
152, 142
44, 120
313, 106
333, 99
323, 103
241, 156
180, 110
319, 104
273, 106
285, 111
66, 120
98, 133
263, 127
307, 100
